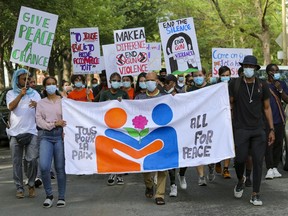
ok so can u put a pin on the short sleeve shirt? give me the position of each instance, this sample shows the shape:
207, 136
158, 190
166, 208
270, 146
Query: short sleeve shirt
108, 95
22, 118
248, 109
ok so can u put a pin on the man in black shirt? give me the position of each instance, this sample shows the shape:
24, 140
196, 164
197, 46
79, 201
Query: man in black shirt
249, 98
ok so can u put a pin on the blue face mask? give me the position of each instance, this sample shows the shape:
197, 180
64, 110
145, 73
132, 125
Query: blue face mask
225, 79
276, 76
213, 80
248, 72
78, 84
142, 85
51, 89
126, 84
199, 80
94, 85
151, 85
115, 85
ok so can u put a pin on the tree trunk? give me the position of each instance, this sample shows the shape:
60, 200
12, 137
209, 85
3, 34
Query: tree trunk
266, 47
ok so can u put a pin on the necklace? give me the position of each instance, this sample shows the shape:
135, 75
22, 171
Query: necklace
250, 94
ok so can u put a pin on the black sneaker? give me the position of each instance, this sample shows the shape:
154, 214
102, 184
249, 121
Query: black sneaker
111, 179
239, 188
255, 200
120, 180
38, 182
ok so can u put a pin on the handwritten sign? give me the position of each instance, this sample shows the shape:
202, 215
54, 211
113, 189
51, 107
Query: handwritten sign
85, 50
180, 46
131, 57
229, 57
34, 38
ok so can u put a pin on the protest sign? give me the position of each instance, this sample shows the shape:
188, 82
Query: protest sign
154, 56
33, 38
180, 46
85, 50
229, 57
131, 53
109, 54
134, 135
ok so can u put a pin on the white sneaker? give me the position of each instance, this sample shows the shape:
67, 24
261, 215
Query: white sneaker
270, 174
173, 191
255, 200
276, 173
182, 181
202, 181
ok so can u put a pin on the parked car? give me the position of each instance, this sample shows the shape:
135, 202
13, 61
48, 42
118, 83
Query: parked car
285, 145
4, 115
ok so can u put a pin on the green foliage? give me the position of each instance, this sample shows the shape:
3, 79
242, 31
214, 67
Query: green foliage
109, 15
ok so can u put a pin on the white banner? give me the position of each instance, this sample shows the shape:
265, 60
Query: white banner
85, 49
180, 46
131, 57
229, 57
33, 38
166, 132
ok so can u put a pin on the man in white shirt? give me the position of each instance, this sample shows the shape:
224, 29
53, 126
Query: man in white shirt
22, 101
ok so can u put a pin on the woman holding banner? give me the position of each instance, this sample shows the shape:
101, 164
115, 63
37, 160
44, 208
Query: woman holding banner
49, 120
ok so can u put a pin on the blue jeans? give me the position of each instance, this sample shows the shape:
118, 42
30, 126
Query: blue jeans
52, 146
31, 155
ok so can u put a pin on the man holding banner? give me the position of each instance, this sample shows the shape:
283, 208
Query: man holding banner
152, 92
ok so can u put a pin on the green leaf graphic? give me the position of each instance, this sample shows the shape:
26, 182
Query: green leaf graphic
132, 132
144, 132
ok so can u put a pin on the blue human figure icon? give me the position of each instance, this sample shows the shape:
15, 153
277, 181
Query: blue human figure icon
165, 158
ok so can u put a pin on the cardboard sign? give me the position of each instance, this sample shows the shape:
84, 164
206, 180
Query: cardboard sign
85, 50
180, 46
154, 56
33, 38
131, 53
229, 57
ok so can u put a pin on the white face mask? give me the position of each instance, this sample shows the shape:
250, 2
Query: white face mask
142, 85
248, 72
126, 84
151, 85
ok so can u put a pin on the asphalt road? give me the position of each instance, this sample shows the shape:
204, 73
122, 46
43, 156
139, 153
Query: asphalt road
89, 195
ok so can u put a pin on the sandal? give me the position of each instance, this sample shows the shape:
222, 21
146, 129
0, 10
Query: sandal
149, 192
160, 201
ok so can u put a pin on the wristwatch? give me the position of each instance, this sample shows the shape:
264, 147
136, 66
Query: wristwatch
271, 129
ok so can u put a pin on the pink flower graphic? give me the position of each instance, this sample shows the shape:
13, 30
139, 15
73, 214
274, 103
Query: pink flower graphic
140, 122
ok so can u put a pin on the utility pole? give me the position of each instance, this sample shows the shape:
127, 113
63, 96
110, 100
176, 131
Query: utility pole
284, 41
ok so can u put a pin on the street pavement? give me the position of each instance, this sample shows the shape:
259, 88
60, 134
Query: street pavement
89, 195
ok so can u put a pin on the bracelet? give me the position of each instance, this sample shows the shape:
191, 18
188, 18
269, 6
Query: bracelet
271, 129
